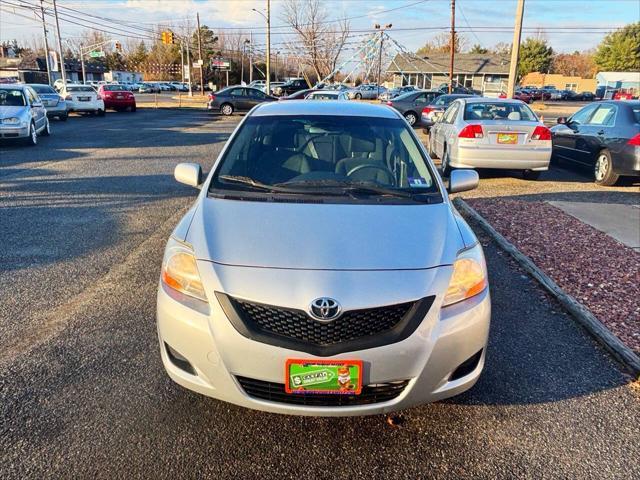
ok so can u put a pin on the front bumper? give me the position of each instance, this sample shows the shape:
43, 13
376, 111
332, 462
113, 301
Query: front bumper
11, 131
526, 158
219, 354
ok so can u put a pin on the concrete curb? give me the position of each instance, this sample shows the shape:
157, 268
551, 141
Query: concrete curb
583, 315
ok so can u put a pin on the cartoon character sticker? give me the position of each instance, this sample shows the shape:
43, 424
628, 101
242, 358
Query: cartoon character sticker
344, 378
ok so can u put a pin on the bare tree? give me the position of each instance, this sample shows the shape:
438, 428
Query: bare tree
319, 41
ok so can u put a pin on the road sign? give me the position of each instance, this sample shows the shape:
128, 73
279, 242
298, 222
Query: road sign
96, 54
220, 64
197, 65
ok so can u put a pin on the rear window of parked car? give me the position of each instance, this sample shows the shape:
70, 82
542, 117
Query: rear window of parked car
114, 88
498, 111
43, 89
80, 89
11, 98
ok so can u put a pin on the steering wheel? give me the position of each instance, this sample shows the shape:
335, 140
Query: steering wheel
381, 168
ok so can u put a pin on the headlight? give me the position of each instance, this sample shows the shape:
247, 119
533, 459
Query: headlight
469, 276
180, 272
11, 121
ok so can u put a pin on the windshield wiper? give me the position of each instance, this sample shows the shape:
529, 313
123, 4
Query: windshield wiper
277, 188
363, 188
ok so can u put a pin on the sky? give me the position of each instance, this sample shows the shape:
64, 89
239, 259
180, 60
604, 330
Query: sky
567, 25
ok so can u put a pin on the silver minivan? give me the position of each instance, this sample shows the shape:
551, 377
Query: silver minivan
322, 269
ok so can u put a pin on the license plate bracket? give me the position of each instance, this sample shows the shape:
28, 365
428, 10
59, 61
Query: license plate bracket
340, 377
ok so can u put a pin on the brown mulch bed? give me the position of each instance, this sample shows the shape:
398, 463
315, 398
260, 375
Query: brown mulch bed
597, 270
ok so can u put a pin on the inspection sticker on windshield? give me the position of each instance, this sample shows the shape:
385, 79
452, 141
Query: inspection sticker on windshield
323, 376
417, 182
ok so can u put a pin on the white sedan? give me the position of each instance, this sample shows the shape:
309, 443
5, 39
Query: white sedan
477, 132
82, 98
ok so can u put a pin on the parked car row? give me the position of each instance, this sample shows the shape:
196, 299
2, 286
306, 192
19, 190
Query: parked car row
25, 109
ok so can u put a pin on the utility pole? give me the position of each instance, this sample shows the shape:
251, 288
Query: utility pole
242, 63
268, 89
46, 42
380, 60
84, 75
182, 59
250, 56
200, 56
453, 44
515, 50
189, 63
63, 73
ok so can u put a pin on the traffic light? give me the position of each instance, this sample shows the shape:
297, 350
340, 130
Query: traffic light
167, 37
118, 47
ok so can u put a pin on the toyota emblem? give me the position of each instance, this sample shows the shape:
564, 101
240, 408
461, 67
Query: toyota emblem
325, 309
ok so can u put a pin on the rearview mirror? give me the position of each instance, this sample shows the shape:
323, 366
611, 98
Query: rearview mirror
463, 180
189, 174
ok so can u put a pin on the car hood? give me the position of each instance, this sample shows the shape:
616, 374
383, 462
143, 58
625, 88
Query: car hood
324, 236
8, 112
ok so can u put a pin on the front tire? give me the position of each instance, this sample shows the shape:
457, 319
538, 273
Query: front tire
46, 131
603, 171
226, 109
358, 96
411, 117
446, 163
32, 139
530, 175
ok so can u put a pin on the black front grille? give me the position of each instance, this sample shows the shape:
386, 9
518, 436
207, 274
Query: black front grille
298, 325
296, 330
274, 392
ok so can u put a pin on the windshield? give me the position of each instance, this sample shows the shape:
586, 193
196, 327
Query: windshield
322, 155
498, 111
80, 89
12, 98
43, 89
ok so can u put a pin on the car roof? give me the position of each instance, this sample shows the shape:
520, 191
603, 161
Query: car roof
333, 108
19, 86
491, 100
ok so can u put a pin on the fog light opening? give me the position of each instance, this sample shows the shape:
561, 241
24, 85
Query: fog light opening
466, 367
179, 361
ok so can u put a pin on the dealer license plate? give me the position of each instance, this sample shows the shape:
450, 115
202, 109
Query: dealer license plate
508, 138
83, 99
323, 376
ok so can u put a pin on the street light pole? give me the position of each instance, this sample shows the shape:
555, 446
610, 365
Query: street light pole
201, 65
382, 29
250, 56
268, 89
46, 42
62, 71
84, 75
452, 45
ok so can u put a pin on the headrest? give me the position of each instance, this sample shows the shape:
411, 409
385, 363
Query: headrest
514, 116
363, 144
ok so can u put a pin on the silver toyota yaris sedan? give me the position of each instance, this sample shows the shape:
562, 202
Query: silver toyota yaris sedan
322, 269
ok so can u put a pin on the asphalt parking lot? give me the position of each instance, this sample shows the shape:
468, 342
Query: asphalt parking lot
84, 217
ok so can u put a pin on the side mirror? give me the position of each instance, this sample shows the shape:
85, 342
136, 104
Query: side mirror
463, 180
561, 120
189, 174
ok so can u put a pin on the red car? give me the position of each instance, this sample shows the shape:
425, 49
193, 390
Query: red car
518, 95
117, 97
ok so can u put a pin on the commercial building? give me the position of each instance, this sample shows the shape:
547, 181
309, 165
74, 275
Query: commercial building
485, 73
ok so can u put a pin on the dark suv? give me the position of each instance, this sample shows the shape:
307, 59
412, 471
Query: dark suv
292, 86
